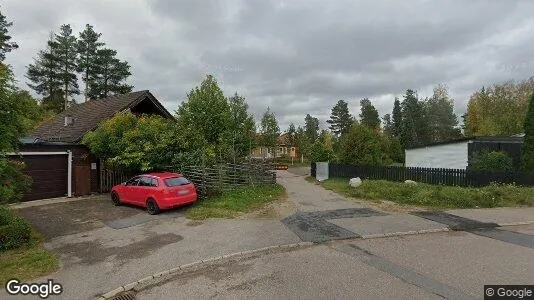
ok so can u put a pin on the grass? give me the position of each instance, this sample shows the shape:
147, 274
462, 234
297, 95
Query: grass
233, 203
310, 179
438, 196
27, 262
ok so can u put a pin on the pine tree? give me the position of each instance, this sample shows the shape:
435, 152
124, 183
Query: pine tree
369, 115
291, 131
528, 141
5, 44
311, 128
410, 107
340, 118
396, 118
387, 124
87, 47
44, 79
111, 74
67, 55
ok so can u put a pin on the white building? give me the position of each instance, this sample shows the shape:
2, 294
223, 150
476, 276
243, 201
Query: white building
448, 155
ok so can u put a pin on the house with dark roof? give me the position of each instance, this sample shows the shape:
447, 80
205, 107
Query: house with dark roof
54, 157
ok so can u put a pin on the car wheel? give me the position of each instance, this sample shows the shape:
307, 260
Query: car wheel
152, 207
115, 199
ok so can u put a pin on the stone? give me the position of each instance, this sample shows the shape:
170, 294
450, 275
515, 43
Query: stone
410, 182
355, 182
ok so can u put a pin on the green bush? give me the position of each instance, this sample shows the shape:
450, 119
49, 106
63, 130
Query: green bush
14, 230
319, 152
13, 183
491, 161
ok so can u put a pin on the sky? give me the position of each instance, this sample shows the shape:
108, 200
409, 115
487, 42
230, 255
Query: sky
296, 56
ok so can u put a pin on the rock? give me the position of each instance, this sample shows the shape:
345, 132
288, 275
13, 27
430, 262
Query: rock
410, 182
355, 182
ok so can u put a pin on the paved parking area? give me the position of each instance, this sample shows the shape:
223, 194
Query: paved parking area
66, 218
102, 246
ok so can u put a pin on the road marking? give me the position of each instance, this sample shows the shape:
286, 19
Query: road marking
406, 274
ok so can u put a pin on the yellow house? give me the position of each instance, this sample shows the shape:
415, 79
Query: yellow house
283, 149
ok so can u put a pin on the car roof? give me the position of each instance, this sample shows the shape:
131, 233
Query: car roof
164, 175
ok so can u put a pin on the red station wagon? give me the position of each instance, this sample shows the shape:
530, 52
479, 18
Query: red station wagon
155, 191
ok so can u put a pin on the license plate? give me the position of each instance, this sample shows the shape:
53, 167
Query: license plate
183, 192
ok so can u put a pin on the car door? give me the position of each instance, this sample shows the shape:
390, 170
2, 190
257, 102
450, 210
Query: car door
128, 194
143, 189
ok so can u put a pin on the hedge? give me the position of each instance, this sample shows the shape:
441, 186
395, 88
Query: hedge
14, 230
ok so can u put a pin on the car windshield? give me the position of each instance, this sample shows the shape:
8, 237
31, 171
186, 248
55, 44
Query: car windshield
176, 181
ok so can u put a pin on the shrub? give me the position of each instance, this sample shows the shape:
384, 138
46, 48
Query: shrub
319, 152
13, 183
14, 230
491, 161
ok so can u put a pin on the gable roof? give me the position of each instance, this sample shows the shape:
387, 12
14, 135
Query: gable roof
283, 139
89, 114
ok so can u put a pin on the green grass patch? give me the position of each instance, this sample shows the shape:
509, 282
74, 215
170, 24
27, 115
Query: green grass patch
28, 261
439, 196
310, 179
232, 203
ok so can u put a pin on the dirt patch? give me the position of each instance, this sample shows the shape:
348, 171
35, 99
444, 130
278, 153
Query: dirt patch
272, 211
215, 273
93, 252
73, 217
252, 283
194, 223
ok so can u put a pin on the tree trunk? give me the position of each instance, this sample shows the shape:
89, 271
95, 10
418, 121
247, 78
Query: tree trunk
86, 84
66, 80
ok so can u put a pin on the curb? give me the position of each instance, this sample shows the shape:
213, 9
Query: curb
167, 274
413, 232
48, 201
515, 223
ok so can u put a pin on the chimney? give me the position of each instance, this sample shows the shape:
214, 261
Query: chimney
69, 120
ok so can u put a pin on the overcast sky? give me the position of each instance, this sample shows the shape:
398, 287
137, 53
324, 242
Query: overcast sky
296, 56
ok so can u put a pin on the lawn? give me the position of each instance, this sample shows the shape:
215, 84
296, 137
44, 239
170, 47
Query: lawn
233, 203
438, 196
27, 262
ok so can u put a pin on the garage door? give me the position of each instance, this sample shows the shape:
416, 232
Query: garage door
49, 174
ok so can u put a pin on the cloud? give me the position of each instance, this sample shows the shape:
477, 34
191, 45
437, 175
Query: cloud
297, 56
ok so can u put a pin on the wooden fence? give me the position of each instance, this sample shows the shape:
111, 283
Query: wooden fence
109, 178
225, 177
208, 180
454, 177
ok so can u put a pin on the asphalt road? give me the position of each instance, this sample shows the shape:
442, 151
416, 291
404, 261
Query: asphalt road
453, 265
